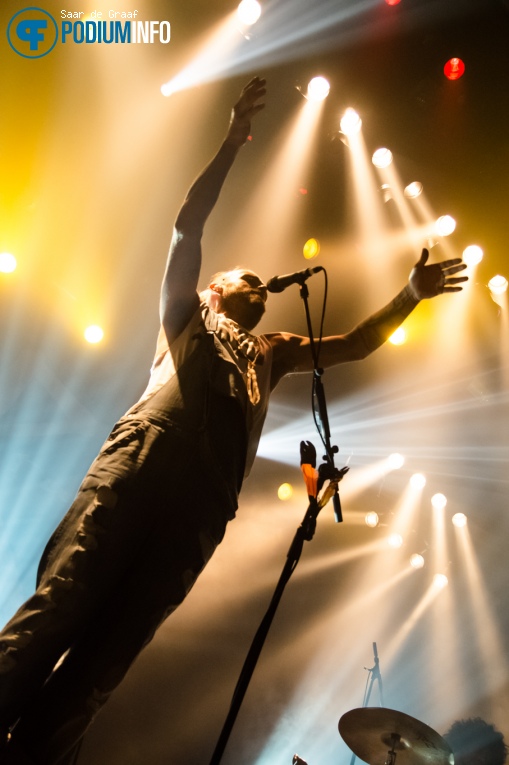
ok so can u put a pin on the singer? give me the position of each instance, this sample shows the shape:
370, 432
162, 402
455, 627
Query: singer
136, 538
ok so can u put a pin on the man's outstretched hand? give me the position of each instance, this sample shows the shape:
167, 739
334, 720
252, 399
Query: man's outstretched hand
429, 281
244, 111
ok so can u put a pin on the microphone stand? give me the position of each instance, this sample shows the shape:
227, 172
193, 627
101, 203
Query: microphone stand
305, 532
319, 393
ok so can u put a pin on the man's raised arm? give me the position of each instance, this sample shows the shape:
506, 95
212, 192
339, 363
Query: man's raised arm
179, 298
292, 353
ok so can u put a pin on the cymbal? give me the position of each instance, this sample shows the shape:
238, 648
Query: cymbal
371, 732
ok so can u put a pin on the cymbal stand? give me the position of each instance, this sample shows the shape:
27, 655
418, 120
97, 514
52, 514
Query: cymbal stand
374, 674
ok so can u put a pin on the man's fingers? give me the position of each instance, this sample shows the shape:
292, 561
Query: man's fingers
456, 280
424, 257
453, 269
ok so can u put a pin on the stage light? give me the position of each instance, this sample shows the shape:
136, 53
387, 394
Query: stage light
393, 2
382, 158
285, 491
498, 285
311, 249
396, 461
418, 481
395, 541
350, 123
440, 581
318, 89
472, 255
371, 519
459, 520
445, 225
248, 12
454, 69
439, 501
413, 190
93, 334
416, 561
398, 337
7, 263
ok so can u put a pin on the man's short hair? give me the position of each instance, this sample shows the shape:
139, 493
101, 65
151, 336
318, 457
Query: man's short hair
217, 278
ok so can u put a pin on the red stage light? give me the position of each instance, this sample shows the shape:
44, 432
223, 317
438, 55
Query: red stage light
392, 2
454, 69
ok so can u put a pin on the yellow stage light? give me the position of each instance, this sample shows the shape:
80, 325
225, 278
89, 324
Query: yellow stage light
311, 249
93, 334
395, 541
416, 561
459, 520
7, 263
285, 491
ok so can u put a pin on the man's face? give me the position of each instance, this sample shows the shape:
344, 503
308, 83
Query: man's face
242, 297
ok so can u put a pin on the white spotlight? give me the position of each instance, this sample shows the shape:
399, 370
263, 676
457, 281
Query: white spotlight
413, 190
445, 225
498, 285
418, 481
371, 519
248, 12
396, 461
459, 520
416, 561
382, 158
395, 541
350, 123
472, 255
440, 581
318, 89
439, 501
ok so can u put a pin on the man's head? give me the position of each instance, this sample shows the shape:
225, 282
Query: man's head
476, 742
239, 294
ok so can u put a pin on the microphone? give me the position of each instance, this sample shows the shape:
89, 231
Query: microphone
280, 283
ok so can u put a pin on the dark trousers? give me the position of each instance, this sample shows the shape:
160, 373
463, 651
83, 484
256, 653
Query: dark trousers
142, 527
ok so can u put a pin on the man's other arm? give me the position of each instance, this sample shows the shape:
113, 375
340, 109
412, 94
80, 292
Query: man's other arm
292, 352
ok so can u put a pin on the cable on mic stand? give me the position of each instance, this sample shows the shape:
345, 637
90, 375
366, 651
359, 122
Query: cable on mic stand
315, 480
